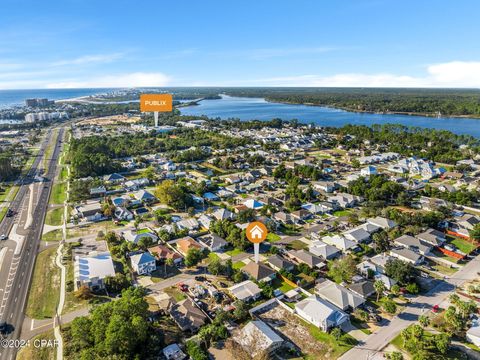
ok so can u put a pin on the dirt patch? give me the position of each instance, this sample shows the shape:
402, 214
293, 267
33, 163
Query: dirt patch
110, 120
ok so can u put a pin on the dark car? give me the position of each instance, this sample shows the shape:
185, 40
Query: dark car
200, 278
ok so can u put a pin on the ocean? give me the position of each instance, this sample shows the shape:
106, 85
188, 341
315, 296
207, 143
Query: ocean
9, 98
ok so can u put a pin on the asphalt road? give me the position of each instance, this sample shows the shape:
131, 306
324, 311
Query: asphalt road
438, 295
20, 271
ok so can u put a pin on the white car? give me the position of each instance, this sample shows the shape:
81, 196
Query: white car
3, 237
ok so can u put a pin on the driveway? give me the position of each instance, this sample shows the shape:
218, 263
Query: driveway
437, 295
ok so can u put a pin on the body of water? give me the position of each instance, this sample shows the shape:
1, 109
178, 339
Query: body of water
259, 109
9, 98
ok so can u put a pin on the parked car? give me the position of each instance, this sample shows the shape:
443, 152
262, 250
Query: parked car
450, 247
200, 278
3, 237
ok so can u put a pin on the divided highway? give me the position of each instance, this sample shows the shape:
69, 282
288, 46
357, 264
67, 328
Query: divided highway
17, 266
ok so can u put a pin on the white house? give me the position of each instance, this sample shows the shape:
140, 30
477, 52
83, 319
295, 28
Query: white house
135, 236
92, 269
143, 263
320, 313
245, 291
473, 334
368, 171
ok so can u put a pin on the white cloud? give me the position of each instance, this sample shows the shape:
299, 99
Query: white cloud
90, 59
462, 74
137, 79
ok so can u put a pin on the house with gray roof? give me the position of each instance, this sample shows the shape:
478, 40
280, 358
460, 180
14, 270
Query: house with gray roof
338, 295
320, 313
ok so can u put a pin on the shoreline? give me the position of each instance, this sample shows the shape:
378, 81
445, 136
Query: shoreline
430, 115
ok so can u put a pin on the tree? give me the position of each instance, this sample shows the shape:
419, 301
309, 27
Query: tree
241, 310
412, 288
389, 305
381, 241
117, 329
336, 333
342, 269
399, 270
475, 232
395, 289
442, 342
215, 267
83, 293
424, 320
379, 288
396, 355
117, 283
195, 351
174, 195
168, 262
194, 256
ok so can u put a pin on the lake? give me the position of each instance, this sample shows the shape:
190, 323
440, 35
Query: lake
259, 109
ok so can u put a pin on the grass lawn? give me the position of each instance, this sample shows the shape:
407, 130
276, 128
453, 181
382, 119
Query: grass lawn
39, 353
298, 245
234, 252
278, 283
45, 288
340, 213
3, 212
445, 269
464, 246
175, 293
345, 343
54, 235
59, 193
63, 174
71, 302
450, 355
272, 237
238, 265
54, 217
212, 256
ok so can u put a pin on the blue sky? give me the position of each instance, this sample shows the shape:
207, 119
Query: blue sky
84, 43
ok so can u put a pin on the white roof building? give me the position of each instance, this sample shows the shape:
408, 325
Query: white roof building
320, 313
257, 337
92, 269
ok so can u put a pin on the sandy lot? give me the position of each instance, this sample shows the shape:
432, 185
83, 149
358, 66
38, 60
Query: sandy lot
110, 120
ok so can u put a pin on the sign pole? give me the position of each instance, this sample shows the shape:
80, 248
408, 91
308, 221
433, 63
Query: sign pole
155, 114
256, 250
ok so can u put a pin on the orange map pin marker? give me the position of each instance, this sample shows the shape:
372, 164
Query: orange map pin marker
256, 232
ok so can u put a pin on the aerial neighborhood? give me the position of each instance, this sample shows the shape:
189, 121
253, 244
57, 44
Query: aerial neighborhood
356, 233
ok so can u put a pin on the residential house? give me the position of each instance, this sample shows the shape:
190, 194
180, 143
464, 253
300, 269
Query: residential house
278, 263
358, 234
212, 242
320, 313
92, 269
344, 200
223, 214
90, 211
187, 243
432, 237
304, 257
135, 236
187, 315
414, 244
205, 221
173, 352
473, 334
368, 171
338, 295
325, 186
407, 255
259, 271
363, 288
258, 338
282, 217
114, 178
163, 253
253, 204
144, 196
340, 242
190, 224
122, 213
98, 191
325, 251
382, 222
245, 291
143, 263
